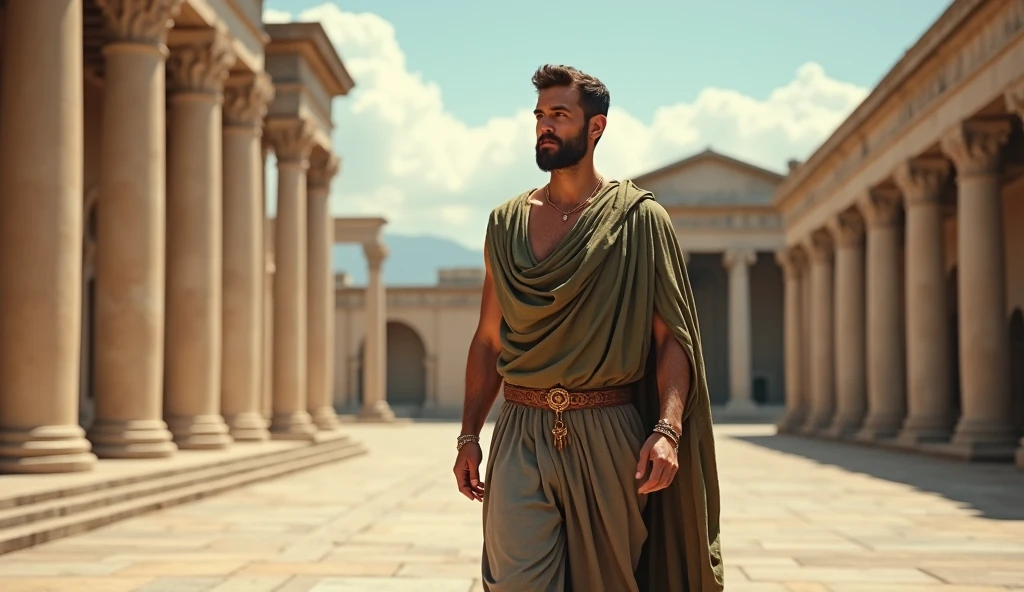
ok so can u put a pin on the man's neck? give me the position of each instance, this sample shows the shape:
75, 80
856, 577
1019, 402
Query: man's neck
568, 187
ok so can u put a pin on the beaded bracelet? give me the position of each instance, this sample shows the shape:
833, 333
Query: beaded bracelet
663, 427
466, 438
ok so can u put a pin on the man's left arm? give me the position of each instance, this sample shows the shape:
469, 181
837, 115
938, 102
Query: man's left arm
673, 375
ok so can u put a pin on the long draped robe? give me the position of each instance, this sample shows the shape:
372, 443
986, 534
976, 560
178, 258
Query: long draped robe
582, 318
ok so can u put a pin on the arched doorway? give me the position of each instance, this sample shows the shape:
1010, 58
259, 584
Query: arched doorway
406, 370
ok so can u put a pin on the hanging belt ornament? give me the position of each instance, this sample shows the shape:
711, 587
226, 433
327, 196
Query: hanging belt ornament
558, 400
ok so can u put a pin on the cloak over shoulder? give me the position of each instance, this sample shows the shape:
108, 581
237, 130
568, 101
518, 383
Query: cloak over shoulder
582, 318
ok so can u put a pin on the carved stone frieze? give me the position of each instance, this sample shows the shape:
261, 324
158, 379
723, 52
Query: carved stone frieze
729, 221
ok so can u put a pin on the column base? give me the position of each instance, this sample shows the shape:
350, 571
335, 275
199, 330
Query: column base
974, 433
973, 451
741, 405
845, 426
247, 427
876, 429
45, 449
297, 425
326, 419
134, 438
924, 430
199, 432
379, 411
791, 421
816, 424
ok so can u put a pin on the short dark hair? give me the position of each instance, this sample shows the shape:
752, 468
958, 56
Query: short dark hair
594, 96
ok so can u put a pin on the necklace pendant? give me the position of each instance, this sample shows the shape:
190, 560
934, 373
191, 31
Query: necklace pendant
565, 217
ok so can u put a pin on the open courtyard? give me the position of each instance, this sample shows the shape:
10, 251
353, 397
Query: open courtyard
798, 516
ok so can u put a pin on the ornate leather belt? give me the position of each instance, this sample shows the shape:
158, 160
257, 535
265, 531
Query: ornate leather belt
560, 400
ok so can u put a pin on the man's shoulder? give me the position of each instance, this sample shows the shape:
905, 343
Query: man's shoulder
645, 202
503, 209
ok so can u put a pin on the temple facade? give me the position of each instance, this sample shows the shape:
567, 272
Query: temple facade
148, 305
903, 258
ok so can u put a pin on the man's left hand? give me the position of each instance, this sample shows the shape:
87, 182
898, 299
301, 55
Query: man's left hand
660, 452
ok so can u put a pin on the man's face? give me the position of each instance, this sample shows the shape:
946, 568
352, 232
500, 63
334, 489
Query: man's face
562, 139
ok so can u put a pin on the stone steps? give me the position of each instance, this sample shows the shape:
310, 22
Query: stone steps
28, 520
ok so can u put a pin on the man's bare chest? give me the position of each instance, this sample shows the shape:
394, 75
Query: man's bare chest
546, 229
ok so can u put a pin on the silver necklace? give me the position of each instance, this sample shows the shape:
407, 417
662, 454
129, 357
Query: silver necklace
580, 206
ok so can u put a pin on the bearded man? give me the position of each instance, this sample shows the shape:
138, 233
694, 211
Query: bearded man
601, 472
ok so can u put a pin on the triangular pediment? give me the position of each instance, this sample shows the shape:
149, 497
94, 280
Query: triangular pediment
711, 179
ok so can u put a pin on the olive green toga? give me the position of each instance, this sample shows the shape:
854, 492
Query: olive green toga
582, 319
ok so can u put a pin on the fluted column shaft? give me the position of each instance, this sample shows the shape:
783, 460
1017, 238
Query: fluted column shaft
293, 142
793, 263
375, 346
738, 262
199, 64
41, 196
887, 404
986, 427
929, 388
821, 248
131, 237
245, 105
851, 365
320, 348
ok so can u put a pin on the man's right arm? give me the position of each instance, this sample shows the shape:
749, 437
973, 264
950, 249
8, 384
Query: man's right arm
482, 378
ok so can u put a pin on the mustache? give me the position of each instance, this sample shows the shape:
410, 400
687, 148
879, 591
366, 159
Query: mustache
549, 138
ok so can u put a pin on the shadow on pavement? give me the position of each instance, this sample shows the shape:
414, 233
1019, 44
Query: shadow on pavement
994, 491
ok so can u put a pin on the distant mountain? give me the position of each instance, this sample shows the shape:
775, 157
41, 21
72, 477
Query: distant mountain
412, 260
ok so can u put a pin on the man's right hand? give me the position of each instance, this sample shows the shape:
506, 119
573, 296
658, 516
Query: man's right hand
467, 471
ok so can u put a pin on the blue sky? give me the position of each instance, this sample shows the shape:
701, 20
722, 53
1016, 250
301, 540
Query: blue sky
438, 130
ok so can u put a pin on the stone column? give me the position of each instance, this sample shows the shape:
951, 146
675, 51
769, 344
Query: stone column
41, 195
851, 388
293, 142
130, 235
887, 403
242, 364
738, 262
375, 346
929, 392
1015, 104
794, 265
986, 428
199, 64
267, 405
320, 301
821, 248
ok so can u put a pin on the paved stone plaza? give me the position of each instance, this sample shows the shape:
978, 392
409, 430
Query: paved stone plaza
799, 516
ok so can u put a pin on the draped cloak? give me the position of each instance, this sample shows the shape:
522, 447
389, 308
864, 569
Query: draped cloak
582, 318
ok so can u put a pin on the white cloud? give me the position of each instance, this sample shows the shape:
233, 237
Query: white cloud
405, 157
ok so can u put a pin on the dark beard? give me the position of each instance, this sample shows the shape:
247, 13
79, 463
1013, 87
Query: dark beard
568, 153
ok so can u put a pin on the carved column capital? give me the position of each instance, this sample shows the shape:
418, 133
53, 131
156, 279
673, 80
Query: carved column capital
792, 260
975, 146
739, 256
292, 140
246, 100
820, 246
140, 21
322, 168
375, 254
921, 179
881, 207
200, 61
847, 228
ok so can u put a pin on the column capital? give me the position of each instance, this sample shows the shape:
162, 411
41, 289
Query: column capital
975, 145
322, 168
375, 254
140, 21
246, 99
744, 256
880, 207
292, 140
921, 179
847, 228
820, 246
792, 260
200, 61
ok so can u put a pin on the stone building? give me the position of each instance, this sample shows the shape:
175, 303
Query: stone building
904, 258
147, 305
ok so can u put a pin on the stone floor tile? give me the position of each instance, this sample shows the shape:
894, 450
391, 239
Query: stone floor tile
58, 584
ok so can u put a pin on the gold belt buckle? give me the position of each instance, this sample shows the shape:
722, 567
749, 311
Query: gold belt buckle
558, 400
